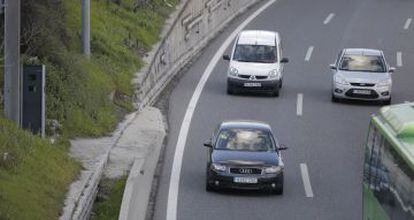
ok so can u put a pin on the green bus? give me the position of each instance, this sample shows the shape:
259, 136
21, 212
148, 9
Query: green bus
388, 178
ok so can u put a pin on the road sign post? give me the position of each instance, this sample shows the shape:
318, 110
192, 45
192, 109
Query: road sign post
86, 27
12, 72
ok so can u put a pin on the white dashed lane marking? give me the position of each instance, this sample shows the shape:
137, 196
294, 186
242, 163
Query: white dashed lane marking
309, 53
407, 23
399, 59
306, 180
328, 18
299, 105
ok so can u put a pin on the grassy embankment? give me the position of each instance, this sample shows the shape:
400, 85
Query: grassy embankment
86, 97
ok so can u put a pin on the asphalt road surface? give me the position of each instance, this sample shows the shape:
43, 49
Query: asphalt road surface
325, 139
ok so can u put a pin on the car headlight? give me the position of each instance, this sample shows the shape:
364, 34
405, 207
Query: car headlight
218, 167
386, 82
273, 169
233, 71
274, 74
340, 80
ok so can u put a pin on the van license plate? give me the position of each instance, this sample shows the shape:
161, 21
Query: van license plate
362, 92
252, 84
245, 180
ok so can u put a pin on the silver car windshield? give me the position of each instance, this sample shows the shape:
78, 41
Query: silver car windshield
255, 53
362, 63
244, 140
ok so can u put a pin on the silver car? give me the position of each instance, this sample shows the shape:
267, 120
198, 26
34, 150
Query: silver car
361, 74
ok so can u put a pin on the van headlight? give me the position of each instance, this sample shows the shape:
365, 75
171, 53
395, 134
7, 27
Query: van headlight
233, 71
274, 74
218, 167
340, 80
384, 83
273, 169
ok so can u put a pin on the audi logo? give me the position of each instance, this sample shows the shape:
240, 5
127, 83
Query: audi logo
245, 171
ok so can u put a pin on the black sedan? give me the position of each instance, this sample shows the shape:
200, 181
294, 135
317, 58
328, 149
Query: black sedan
244, 155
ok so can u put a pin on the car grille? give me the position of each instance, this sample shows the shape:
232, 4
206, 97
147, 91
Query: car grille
244, 170
372, 95
363, 84
248, 76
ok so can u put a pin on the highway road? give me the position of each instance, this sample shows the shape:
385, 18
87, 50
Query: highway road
324, 138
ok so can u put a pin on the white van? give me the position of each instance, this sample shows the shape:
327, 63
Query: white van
256, 63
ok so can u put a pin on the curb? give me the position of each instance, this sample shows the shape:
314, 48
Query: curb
138, 187
79, 207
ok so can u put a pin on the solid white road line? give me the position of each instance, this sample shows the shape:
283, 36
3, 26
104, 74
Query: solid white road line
399, 59
309, 53
185, 126
306, 180
299, 105
407, 23
329, 18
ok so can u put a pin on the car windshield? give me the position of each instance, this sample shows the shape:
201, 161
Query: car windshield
244, 140
362, 63
255, 53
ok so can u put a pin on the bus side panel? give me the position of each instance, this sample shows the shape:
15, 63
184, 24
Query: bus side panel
372, 208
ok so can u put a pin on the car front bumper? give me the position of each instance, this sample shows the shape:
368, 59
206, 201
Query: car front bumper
378, 93
253, 85
226, 181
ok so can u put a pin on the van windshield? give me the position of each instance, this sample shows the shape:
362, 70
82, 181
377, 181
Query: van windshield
255, 53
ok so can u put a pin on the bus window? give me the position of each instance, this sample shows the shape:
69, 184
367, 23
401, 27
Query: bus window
398, 199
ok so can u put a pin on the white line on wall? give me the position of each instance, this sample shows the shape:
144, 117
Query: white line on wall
399, 59
185, 126
407, 23
328, 18
309, 53
299, 105
306, 180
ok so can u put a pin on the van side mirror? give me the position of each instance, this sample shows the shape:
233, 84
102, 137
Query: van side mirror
391, 69
284, 60
208, 144
332, 66
282, 147
226, 57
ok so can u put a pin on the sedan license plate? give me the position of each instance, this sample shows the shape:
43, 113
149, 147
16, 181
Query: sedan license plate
252, 84
245, 180
362, 92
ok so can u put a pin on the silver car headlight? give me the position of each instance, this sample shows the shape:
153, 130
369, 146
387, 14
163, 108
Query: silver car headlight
384, 83
274, 74
218, 167
341, 80
233, 71
273, 169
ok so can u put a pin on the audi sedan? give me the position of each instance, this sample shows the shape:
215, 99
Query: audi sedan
244, 155
361, 74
